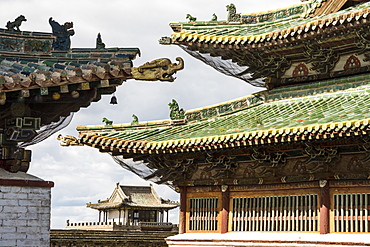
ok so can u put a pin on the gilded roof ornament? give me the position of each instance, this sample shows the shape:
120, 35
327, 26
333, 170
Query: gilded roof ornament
165, 40
68, 140
157, 70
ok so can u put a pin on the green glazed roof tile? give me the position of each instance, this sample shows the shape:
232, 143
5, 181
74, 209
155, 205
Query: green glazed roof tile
279, 117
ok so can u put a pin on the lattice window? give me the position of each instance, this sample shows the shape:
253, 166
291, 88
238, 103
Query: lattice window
351, 212
275, 213
203, 214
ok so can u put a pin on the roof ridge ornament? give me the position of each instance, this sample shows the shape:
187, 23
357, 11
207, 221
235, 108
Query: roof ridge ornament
191, 18
107, 121
14, 25
99, 42
135, 120
214, 17
175, 112
62, 33
232, 16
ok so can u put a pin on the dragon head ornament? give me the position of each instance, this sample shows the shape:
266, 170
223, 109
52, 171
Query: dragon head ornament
158, 70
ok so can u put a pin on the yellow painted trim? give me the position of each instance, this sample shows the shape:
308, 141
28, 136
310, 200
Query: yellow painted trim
259, 133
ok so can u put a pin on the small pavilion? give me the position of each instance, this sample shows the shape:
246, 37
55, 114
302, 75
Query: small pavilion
130, 205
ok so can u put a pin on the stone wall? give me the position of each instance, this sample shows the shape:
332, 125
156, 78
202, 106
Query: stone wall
83, 238
25, 211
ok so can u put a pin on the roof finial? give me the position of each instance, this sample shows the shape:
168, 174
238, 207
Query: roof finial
99, 42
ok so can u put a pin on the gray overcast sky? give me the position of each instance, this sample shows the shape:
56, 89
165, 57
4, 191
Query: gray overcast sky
82, 174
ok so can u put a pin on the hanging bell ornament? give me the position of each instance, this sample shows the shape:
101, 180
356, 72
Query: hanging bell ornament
113, 100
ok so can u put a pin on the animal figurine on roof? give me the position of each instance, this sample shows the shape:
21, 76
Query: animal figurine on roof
14, 26
107, 121
191, 18
175, 112
232, 16
214, 17
135, 120
62, 34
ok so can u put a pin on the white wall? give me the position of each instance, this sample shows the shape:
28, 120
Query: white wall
25, 216
114, 214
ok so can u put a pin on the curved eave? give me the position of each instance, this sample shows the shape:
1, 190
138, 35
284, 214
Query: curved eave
18, 75
154, 206
245, 139
129, 205
309, 26
104, 205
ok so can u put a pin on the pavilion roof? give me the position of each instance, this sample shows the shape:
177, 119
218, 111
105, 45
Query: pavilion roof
133, 197
322, 110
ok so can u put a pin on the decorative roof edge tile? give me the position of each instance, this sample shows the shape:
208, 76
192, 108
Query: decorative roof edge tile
346, 16
312, 132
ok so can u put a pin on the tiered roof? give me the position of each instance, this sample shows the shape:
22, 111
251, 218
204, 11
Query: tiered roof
317, 74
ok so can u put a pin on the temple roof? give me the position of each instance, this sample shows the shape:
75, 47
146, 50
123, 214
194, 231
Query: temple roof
263, 49
143, 197
28, 62
322, 110
270, 25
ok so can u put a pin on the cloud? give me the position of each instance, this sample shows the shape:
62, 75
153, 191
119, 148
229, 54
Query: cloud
82, 174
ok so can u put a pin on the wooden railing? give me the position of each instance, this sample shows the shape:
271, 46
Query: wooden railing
275, 213
91, 225
352, 212
203, 214
144, 226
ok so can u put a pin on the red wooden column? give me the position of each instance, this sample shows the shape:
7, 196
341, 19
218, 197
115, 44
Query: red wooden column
225, 209
182, 216
324, 207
